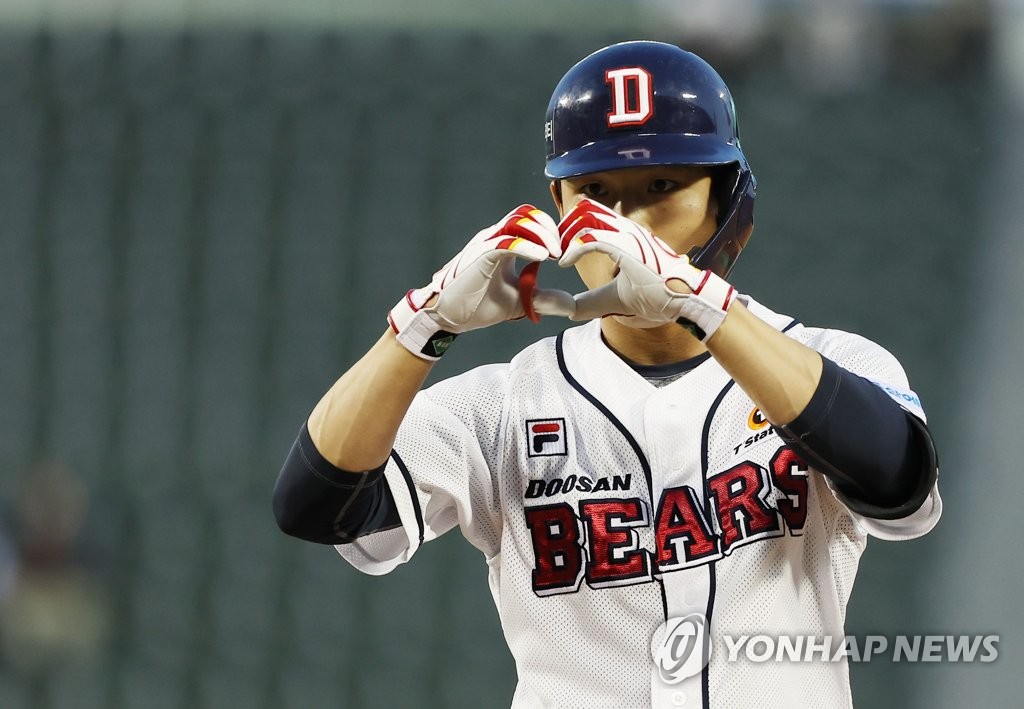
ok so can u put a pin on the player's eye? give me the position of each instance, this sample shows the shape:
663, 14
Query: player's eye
594, 190
662, 185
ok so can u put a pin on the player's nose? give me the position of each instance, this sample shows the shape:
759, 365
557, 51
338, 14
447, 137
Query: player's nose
633, 211
623, 207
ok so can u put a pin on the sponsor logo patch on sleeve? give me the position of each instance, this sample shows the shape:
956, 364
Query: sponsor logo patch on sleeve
904, 397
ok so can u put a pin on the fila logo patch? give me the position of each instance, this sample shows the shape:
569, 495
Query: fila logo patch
632, 96
546, 437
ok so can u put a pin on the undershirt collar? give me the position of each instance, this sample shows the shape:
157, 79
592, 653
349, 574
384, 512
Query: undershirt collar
662, 374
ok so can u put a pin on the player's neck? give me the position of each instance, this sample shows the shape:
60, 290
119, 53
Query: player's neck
658, 345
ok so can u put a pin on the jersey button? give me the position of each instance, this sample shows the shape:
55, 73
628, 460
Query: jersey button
678, 699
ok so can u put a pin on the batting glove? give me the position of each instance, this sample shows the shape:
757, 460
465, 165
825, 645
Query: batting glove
645, 265
479, 287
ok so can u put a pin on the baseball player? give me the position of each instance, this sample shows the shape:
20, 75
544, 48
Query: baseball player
683, 469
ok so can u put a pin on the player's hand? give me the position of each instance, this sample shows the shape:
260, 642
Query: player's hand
479, 287
640, 291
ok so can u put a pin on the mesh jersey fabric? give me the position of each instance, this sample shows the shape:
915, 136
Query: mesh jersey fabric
576, 479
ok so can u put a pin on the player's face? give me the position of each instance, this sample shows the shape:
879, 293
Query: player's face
674, 202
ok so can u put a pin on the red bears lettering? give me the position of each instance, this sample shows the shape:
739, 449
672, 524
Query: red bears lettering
613, 544
608, 529
790, 474
680, 525
556, 547
740, 495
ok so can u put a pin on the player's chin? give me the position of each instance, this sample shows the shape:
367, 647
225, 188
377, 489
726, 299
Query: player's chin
637, 323
596, 269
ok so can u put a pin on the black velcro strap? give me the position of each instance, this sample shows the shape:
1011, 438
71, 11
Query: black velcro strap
438, 343
693, 328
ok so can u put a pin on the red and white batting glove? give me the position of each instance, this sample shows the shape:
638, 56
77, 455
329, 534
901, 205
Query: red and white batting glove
639, 290
479, 287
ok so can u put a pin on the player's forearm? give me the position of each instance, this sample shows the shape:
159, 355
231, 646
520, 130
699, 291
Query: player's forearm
355, 423
849, 428
777, 372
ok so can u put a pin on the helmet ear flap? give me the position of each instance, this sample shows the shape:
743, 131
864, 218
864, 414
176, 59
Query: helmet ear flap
735, 222
724, 179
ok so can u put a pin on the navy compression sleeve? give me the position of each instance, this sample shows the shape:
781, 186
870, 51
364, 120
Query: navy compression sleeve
318, 502
879, 457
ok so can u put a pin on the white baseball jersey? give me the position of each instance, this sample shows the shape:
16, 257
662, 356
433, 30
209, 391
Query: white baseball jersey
608, 508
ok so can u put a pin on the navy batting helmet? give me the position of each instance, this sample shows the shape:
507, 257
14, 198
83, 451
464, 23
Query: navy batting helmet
651, 103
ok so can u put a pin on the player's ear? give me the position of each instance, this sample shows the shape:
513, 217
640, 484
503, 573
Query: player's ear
556, 194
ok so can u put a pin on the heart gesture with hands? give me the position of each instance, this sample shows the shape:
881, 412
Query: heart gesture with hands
641, 291
479, 287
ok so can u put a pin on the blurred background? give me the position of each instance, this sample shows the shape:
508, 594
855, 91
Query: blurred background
207, 208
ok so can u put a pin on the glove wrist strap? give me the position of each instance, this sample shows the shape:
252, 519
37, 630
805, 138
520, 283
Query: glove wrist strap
417, 331
703, 311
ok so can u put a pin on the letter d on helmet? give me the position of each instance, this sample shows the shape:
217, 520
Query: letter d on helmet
648, 103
